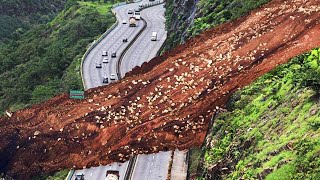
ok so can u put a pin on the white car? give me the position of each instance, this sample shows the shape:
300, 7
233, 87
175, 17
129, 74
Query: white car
124, 22
104, 53
112, 77
105, 60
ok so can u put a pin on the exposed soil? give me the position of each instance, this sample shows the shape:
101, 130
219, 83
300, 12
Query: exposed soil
168, 107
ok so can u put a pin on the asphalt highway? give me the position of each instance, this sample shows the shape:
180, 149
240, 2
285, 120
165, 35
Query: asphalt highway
111, 43
154, 166
93, 76
143, 49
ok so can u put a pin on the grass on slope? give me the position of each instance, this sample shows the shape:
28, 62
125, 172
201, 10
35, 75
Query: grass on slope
214, 12
18, 16
61, 175
273, 127
101, 7
45, 61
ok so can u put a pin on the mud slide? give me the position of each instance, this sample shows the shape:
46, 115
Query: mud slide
168, 107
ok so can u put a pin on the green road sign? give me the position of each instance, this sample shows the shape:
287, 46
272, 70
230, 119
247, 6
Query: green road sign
76, 94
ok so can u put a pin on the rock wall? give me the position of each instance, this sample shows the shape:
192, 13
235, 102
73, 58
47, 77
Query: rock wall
179, 16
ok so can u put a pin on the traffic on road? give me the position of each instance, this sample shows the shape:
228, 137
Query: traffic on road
100, 68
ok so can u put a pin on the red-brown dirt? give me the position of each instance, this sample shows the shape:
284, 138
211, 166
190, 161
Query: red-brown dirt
165, 108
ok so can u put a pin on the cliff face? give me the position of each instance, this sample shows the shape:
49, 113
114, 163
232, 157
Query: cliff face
179, 16
165, 108
187, 18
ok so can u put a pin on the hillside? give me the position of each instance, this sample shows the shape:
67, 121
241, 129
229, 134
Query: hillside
18, 16
166, 108
187, 18
272, 127
45, 60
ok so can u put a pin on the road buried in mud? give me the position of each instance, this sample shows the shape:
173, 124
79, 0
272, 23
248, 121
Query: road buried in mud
165, 108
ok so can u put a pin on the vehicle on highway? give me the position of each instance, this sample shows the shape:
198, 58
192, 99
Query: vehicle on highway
125, 40
105, 80
112, 175
136, 11
105, 60
130, 12
114, 54
112, 77
104, 53
98, 65
132, 22
124, 22
79, 176
154, 36
137, 16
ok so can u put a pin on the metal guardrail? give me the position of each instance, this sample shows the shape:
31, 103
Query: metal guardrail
127, 48
131, 164
70, 174
132, 161
136, 37
93, 45
143, 6
96, 42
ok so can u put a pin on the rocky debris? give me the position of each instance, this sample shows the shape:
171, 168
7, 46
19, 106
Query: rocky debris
166, 108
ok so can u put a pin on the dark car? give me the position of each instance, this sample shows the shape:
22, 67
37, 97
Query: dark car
125, 40
79, 177
105, 80
114, 54
130, 12
98, 65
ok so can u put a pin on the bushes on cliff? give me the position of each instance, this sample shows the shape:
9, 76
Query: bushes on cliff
209, 13
214, 12
272, 130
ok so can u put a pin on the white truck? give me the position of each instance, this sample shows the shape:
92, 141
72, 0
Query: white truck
154, 36
132, 22
112, 175
137, 16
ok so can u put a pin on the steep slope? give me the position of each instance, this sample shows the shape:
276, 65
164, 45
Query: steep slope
272, 130
45, 61
166, 108
187, 18
17, 16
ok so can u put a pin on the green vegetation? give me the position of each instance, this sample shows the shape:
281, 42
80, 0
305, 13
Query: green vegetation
215, 12
18, 16
272, 129
209, 14
194, 159
45, 60
61, 175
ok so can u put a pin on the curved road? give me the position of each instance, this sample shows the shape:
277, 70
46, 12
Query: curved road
111, 43
141, 51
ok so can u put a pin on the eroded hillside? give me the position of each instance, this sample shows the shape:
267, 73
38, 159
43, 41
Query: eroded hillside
168, 107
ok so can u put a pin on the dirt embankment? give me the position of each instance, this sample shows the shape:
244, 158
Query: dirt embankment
168, 107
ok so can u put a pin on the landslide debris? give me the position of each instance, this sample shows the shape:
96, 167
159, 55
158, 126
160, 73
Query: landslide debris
168, 107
